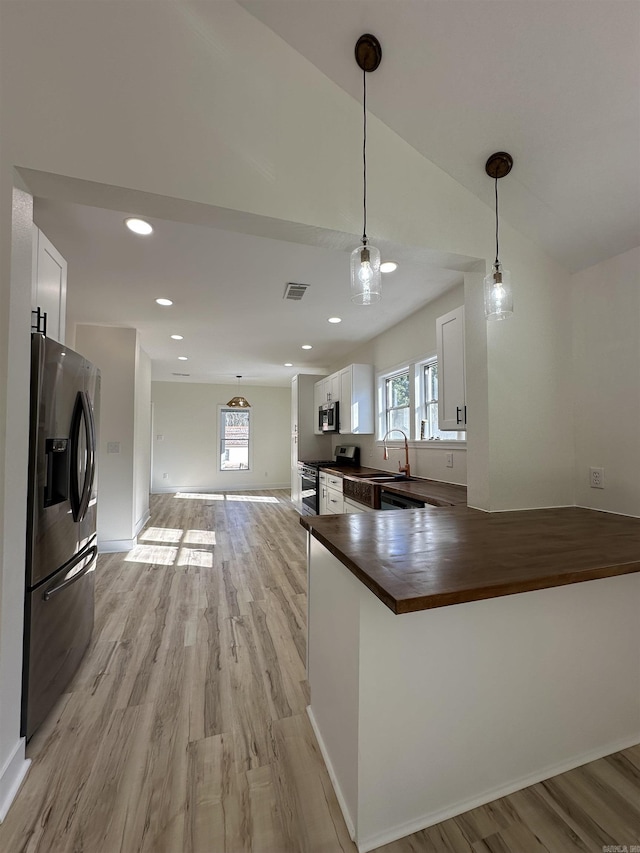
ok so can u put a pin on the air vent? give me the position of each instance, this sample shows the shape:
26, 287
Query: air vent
181, 374
295, 291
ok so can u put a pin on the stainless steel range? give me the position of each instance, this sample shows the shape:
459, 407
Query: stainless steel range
309, 471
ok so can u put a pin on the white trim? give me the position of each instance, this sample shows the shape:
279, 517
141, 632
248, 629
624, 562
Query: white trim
334, 779
12, 775
116, 546
142, 522
402, 830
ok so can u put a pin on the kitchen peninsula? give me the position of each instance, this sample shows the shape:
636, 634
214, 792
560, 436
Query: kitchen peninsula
456, 656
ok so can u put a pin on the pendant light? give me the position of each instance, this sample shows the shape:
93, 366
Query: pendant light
498, 297
239, 402
366, 280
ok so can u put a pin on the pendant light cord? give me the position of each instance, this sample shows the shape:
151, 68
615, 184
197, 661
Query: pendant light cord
496, 261
364, 155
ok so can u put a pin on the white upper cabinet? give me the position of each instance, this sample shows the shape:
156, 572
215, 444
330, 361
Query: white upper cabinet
352, 388
49, 286
452, 407
356, 400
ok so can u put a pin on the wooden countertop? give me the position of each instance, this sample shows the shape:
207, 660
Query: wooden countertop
431, 491
438, 556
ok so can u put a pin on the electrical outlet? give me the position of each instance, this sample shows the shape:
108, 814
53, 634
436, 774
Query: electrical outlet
449, 460
596, 478
165, 476
113, 447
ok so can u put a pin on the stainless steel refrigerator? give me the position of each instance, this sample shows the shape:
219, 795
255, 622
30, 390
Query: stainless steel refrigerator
61, 524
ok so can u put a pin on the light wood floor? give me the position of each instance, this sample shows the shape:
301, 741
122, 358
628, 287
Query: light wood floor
185, 729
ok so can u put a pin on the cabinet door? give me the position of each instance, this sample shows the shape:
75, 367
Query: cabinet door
452, 411
318, 399
49, 291
294, 422
345, 400
335, 502
333, 387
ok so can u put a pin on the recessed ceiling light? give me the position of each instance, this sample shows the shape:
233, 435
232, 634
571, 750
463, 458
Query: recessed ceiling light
138, 226
164, 302
335, 319
177, 337
182, 358
288, 364
307, 346
388, 266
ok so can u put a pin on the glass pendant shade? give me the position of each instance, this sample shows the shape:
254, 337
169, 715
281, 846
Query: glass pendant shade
498, 297
366, 278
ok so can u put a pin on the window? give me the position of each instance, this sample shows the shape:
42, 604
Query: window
398, 403
429, 405
408, 400
235, 433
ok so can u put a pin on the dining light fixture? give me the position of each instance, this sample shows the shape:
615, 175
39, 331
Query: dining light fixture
498, 297
366, 281
239, 402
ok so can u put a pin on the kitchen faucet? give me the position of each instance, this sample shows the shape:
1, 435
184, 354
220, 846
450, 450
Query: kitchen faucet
406, 470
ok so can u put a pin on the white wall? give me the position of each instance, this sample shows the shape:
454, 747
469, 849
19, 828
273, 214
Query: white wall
409, 340
141, 439
606, 382
186, 415
124, 419
14, 438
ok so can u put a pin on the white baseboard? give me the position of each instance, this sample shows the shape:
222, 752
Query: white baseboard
365, 845
141, 523
11, 776
115, 546
334, 780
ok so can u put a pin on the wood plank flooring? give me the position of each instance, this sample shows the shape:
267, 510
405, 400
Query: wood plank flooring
185, 729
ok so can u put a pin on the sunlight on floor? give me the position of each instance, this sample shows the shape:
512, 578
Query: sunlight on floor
200, 537
160, 555
161, 534
217, 496
195, 496
254, 499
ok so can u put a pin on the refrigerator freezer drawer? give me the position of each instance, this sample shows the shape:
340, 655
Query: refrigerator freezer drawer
59, 621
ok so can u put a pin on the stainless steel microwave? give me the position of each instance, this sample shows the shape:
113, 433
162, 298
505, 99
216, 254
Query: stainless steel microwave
328, 417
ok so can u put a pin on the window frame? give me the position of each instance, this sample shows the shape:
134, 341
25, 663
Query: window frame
222, 410
388, 409
417, 405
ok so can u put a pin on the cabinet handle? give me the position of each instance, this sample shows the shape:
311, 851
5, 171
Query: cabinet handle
458, 414
465, 414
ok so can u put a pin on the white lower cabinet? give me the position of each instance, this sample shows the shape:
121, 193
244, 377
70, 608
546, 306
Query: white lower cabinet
331, 500
355, 506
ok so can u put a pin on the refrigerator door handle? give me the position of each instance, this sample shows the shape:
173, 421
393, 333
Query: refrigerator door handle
80, 498
88, 556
